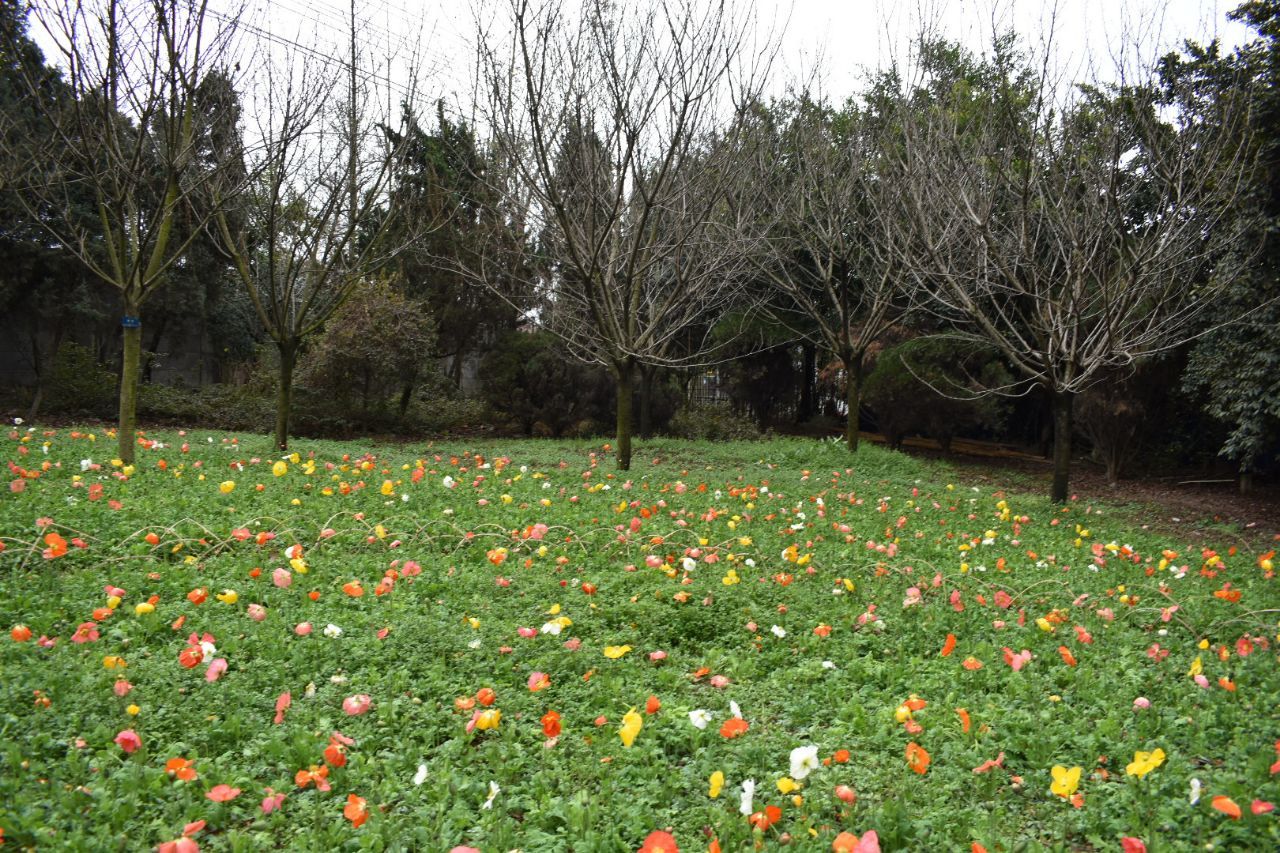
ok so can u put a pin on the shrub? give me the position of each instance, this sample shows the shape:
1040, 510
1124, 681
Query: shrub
530, 379
80, 385
903, 390
712, 423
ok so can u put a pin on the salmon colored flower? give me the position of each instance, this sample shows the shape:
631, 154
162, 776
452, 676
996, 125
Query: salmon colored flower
222, 793
971, 663
283, 701
358, 704
538, 681
847, 842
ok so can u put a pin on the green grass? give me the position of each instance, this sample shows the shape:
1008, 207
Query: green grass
453, 629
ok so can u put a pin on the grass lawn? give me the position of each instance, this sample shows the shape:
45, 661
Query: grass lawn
511, 645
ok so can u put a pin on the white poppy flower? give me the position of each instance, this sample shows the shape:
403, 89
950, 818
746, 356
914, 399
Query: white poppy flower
493, 795
699, 718
333, 631
779, 631
804, 760
748, 797
421, 775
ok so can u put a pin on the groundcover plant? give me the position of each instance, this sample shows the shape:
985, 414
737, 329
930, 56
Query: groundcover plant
501, 645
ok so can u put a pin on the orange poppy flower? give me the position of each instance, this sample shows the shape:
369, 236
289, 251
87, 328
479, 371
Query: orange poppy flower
198, 595
1067, 658
918, 758
949, 646
767, 818
733, 727
659, 842
190, 657
355, 810
318, 776
653, 705
353, 589
486, 697
1227, 806
551, 724
972, 664
181, 769
964, 719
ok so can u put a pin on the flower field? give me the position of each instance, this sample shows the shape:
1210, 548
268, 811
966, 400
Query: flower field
512, 645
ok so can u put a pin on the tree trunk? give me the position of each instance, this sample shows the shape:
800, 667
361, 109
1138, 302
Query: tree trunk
406, 396
149, 361
131, 360
1062, 403
623, 372
647, 373
284, 396
1113, 455
808, 371
852, 397
1246, 482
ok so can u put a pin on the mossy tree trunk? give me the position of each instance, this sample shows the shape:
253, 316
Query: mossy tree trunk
130, 364
624, 372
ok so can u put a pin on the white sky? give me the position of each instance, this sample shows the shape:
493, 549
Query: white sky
850, 36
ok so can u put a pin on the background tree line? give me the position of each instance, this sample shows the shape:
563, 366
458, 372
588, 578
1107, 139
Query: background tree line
628, 235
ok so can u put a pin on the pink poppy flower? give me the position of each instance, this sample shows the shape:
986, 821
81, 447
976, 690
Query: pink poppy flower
527, 633
719, 681
121, 688
272, 801
282, 578
215, 670
128, 740
538, 681
573, 644
302, 629
357, 704
658, 655
257, 612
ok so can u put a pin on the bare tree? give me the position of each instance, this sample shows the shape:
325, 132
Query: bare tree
824, 242
1076, 230
310, 229
607, 117
127, 133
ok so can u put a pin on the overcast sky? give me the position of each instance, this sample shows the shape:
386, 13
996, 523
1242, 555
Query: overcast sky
849, 36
